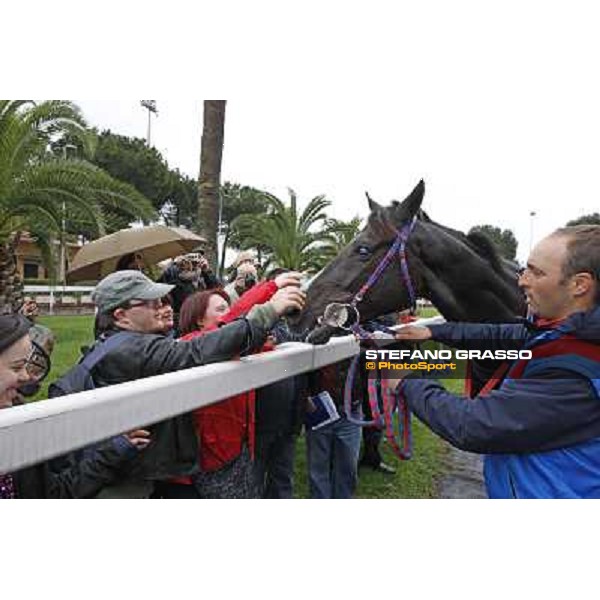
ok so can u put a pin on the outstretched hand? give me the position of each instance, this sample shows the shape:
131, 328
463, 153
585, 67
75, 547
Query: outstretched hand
289, 278
413, 333
288, 299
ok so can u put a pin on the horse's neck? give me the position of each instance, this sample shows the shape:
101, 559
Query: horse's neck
465, 287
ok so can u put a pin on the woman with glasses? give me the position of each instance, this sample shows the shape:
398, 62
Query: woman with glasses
23, 363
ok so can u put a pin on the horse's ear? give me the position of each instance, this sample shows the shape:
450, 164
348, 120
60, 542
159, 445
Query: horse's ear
372, 204
409, 207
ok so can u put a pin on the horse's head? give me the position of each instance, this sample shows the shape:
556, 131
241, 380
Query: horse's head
462, 275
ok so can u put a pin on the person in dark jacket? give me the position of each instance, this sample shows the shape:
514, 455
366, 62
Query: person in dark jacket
132, 261
63, 477
131, 302
188, 274
279, 414
540, 429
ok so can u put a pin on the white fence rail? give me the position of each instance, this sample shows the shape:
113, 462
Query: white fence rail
42, 430
58, 289
71, 295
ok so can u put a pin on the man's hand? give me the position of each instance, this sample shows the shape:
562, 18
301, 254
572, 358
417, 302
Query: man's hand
246, 268
29, 309
243, 271
140, 438
413, 333
203, 264
285, 279
288, 299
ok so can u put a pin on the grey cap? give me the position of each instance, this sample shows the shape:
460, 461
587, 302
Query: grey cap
118, 288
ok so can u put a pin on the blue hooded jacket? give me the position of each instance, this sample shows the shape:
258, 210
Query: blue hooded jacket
541, 432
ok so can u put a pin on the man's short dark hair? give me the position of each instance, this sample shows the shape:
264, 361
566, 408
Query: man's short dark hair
583, 252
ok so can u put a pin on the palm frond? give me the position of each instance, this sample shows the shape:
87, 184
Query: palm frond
288, 235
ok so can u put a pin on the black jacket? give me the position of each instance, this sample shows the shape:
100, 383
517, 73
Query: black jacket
173, 450
72, 477
280, 406
183, 289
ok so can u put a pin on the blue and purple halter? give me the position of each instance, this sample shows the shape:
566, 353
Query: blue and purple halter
337, 315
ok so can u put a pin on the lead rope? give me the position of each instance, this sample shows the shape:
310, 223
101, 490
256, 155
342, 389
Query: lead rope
392, 402
395, 402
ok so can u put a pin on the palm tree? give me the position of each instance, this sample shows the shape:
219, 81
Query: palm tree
209, 183
237, 200
289, 238
38, 189
341, 234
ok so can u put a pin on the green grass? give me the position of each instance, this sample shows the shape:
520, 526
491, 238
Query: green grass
415, 478
71, 334
427, 311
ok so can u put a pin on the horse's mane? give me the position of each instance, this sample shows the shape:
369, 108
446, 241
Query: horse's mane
485, 247
478, 242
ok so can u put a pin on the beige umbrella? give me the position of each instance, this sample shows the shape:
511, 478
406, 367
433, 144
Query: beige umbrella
158, 242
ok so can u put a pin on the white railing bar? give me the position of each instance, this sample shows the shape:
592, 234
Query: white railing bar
42, 430
46, 289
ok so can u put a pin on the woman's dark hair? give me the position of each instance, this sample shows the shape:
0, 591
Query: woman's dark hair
124, 262
194, 308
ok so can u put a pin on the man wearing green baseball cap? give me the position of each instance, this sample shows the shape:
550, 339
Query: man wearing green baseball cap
128, 301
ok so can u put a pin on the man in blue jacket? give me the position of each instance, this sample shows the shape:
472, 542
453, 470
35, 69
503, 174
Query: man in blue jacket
540, 430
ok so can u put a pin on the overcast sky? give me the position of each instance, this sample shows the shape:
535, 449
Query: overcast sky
496, 108
488, 154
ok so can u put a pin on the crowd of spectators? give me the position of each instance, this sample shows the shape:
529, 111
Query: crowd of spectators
244, 446
241, 447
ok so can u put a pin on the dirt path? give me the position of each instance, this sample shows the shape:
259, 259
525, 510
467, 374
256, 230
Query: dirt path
463, 475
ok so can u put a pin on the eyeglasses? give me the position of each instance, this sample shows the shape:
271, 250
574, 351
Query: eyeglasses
153, 304
37, 363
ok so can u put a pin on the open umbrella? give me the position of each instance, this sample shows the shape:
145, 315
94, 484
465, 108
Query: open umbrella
155, 243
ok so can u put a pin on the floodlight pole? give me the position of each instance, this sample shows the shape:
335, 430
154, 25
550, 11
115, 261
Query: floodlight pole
151, 106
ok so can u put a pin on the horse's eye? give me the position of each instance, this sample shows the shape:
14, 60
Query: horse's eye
364, 252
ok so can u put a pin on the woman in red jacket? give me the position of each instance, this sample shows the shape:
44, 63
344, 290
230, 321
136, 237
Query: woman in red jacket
226, 429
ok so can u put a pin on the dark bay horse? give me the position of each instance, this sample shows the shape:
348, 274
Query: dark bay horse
462, 275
